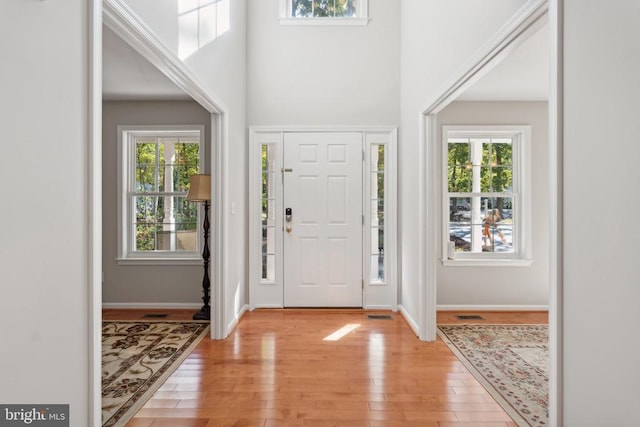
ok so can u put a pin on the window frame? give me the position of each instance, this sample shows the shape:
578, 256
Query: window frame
372, 142
521, 193
126, 212
361, 18
274, 194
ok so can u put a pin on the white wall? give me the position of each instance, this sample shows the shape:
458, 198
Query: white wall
146, 284
323, 75
601, 234
161, 16
437, 39
502, 286
221, 67
44, 309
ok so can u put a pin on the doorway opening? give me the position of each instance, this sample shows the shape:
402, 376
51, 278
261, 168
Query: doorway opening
528, 19
119, 19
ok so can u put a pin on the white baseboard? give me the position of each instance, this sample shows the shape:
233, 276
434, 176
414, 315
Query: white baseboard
152, 305
234, 322
412, 323
473, 307
379, 307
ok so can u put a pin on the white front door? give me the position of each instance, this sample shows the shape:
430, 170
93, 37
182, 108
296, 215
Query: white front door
323, 219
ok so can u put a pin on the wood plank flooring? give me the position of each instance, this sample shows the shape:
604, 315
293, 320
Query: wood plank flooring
293, 368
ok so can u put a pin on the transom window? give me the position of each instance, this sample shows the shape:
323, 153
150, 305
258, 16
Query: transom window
323, 8
486, 197
346, 12
156, 221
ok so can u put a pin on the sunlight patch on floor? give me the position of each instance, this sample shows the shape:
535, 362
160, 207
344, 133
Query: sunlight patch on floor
341, 332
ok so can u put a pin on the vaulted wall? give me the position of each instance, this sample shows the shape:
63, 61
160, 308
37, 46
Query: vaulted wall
438, 38
322, 75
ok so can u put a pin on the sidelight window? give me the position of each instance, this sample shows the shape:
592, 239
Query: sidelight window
268, 211
377, 170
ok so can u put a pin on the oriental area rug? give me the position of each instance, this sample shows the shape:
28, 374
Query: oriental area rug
137, 357
511, 362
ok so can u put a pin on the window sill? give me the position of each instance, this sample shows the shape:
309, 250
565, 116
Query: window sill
326, 21
159, 261
520, 262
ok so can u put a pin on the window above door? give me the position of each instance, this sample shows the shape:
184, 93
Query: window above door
324, 12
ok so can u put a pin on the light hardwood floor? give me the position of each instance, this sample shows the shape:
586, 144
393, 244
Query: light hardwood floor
279, 369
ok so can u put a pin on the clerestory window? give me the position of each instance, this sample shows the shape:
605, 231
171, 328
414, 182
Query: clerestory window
486, 212
324, 12
156, 223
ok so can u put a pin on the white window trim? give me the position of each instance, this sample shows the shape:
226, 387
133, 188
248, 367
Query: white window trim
264, 293
388, 140
522, 186
125, 256
362, 18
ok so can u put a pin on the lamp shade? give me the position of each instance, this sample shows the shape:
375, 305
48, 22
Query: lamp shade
199, 188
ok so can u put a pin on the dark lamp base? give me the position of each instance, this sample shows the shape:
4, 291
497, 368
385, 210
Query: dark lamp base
203, 314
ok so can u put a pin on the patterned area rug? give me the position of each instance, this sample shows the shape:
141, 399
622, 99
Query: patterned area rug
137, 357
511, 362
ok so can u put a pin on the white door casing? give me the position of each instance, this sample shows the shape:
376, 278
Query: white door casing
323, 239
268, 258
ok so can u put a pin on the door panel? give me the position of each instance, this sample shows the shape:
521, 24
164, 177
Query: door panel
323, 240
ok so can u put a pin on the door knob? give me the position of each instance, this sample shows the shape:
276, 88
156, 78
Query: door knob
289, 229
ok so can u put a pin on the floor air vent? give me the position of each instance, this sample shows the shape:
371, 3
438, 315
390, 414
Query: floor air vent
379, 317
154, 315
469, 317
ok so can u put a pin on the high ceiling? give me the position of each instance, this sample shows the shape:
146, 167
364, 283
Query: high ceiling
521, 76
127, 76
